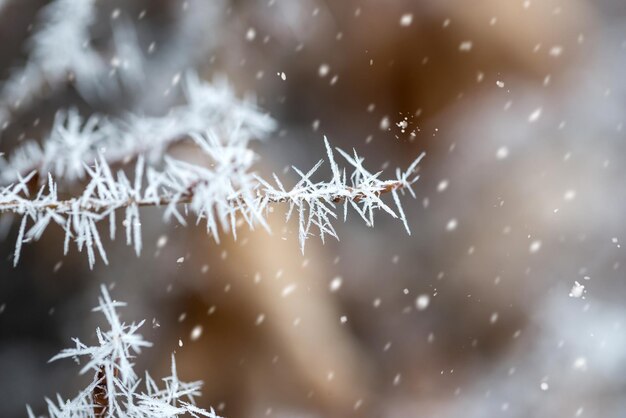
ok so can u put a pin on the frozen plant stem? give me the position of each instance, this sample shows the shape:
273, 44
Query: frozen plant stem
217, 195
220, 192
114, 391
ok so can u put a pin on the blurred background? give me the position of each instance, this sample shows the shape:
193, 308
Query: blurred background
519, 105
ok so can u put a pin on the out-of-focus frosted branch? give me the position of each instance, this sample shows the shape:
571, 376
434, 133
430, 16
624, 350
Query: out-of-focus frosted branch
59, 51
73, 143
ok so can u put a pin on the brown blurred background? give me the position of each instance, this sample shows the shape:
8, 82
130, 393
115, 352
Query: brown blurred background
520, 108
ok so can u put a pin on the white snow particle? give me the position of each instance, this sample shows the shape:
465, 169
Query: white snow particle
580, 364
406, 19
534, 246
335, 284
466, 46
196, 333
287, 290
569, 194
502, 153
396, 379
384, 123
250, 34
577, 290
556, 51
323, 70
443, 185
422, 302
500, 83
452, 224
535, 115
162, 241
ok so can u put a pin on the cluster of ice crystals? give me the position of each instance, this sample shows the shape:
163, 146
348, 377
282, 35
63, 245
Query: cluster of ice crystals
217, 194
74, 143
115, 389
219, 191
316, 203
221, 126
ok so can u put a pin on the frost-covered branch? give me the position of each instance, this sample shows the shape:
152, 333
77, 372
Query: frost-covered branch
317, 202
217, 195
219, 191
73, 178
115, 391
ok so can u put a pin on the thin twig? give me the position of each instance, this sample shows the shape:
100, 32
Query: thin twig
99, 393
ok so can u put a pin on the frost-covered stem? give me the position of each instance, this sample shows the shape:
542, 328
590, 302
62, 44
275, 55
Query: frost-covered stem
97, 205
220, 194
